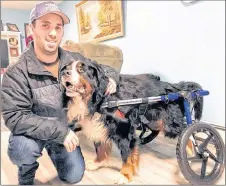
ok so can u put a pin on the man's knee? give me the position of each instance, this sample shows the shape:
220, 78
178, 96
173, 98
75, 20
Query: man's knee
23, 150
74, 169
74, 177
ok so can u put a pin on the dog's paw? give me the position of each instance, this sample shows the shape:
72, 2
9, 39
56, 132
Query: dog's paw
121, 180
92, 165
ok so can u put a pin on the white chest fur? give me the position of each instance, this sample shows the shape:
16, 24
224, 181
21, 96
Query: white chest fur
92, 127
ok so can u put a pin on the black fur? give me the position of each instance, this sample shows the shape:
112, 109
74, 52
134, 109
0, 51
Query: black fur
146, 85
139, 86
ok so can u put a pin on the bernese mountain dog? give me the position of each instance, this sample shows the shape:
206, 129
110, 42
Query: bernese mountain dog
84, 84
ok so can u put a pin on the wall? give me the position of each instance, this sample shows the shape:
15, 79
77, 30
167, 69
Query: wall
175, 42
18, 17
71, 30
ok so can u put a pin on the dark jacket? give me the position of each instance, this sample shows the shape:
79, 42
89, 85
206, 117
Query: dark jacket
32, 99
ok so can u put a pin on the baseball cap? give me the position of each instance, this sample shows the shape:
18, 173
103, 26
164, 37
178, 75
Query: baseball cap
44, 8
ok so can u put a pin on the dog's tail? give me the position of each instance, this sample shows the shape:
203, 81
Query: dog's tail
173, 119
197, 104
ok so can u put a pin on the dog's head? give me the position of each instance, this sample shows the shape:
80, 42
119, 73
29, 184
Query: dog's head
85, 81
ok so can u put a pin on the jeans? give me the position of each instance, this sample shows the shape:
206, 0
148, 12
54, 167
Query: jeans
24, 151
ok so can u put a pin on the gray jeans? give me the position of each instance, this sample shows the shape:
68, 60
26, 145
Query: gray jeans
24, 151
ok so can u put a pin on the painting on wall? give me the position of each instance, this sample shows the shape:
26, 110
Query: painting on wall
13, 41
12, 27
99, 20
14, 52
26, 30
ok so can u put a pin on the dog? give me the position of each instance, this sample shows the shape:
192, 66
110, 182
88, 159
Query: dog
84, 84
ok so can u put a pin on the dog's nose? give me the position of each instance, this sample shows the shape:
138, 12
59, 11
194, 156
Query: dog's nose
67, 78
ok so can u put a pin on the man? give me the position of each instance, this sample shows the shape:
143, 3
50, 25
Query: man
31, 101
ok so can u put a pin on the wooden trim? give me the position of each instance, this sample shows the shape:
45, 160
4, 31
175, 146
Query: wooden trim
80, 3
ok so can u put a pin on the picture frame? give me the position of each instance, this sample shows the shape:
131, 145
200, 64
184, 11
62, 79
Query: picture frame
26, 30
99, 20
12, 27
14, 52
13, 41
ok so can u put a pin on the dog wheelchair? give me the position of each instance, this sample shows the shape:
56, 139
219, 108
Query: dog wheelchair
205, 141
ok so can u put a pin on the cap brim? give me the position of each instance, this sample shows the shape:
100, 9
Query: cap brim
63, 16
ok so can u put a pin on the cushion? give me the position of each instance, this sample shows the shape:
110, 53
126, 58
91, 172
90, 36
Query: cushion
101, 53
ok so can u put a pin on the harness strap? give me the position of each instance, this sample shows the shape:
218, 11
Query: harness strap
142, 109
119, 114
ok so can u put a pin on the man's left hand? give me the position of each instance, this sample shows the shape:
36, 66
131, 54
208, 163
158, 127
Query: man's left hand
111, 88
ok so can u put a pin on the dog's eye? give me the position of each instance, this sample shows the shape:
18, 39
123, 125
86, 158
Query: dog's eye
67, 72
80, 69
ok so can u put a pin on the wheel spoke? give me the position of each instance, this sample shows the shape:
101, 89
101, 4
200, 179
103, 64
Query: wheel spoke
204, 144
212, 156
195, 144
203, 169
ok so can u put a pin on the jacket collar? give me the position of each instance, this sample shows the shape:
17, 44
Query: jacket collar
35, 67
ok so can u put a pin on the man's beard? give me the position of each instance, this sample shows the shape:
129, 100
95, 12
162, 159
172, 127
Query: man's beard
47, 52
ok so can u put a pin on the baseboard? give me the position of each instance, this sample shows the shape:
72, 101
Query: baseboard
219, 127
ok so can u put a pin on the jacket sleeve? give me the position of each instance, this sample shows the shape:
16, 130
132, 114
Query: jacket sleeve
17, 114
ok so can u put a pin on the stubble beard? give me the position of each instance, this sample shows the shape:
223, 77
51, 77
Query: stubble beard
50, 51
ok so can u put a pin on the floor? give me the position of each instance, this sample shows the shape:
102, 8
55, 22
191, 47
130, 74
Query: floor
158, 165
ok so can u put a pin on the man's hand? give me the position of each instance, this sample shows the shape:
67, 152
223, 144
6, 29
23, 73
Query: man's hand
111, 88
71, 141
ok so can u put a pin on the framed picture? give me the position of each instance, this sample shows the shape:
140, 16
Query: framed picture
12, 27
26, 30
13, 41
14, 52
99, 20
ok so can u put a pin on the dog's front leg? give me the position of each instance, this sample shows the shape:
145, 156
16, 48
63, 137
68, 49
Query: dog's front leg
129, 167
102, 151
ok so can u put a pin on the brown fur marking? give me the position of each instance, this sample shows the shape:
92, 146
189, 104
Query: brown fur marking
129, 168
88, 89
103, 151
160, 125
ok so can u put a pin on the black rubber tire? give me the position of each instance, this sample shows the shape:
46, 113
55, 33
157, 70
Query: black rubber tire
182, 155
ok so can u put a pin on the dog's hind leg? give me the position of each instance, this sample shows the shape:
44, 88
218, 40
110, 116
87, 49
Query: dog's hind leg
129, 167
103, 151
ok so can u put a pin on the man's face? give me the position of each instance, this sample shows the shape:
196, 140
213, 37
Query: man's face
48, 32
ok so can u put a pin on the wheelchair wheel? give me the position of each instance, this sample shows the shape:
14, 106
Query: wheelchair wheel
200, 154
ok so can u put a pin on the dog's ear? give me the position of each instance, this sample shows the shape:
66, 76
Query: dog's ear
99, 81
65, 99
